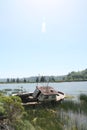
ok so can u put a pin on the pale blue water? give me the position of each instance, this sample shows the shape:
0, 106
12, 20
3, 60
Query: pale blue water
69, 88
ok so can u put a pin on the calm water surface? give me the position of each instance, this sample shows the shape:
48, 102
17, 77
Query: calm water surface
69, 88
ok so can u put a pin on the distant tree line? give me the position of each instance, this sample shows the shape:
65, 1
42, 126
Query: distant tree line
44, 79
36, 79
13, 80
77, 76
73, 76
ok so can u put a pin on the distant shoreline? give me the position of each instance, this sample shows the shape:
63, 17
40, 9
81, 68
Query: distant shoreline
70, 77
41, 82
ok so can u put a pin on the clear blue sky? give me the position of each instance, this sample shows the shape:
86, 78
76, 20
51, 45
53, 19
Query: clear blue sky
46, 37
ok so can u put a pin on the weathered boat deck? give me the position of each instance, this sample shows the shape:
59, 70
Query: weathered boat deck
31, 103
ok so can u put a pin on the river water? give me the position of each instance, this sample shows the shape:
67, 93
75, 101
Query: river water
69, 88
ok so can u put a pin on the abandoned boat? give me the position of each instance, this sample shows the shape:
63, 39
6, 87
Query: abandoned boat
41, 94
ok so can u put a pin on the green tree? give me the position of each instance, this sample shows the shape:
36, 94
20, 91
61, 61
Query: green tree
37, 79
24, 80
13, 80
42, 79
51, 79
7, 80
17, 80
10, 106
